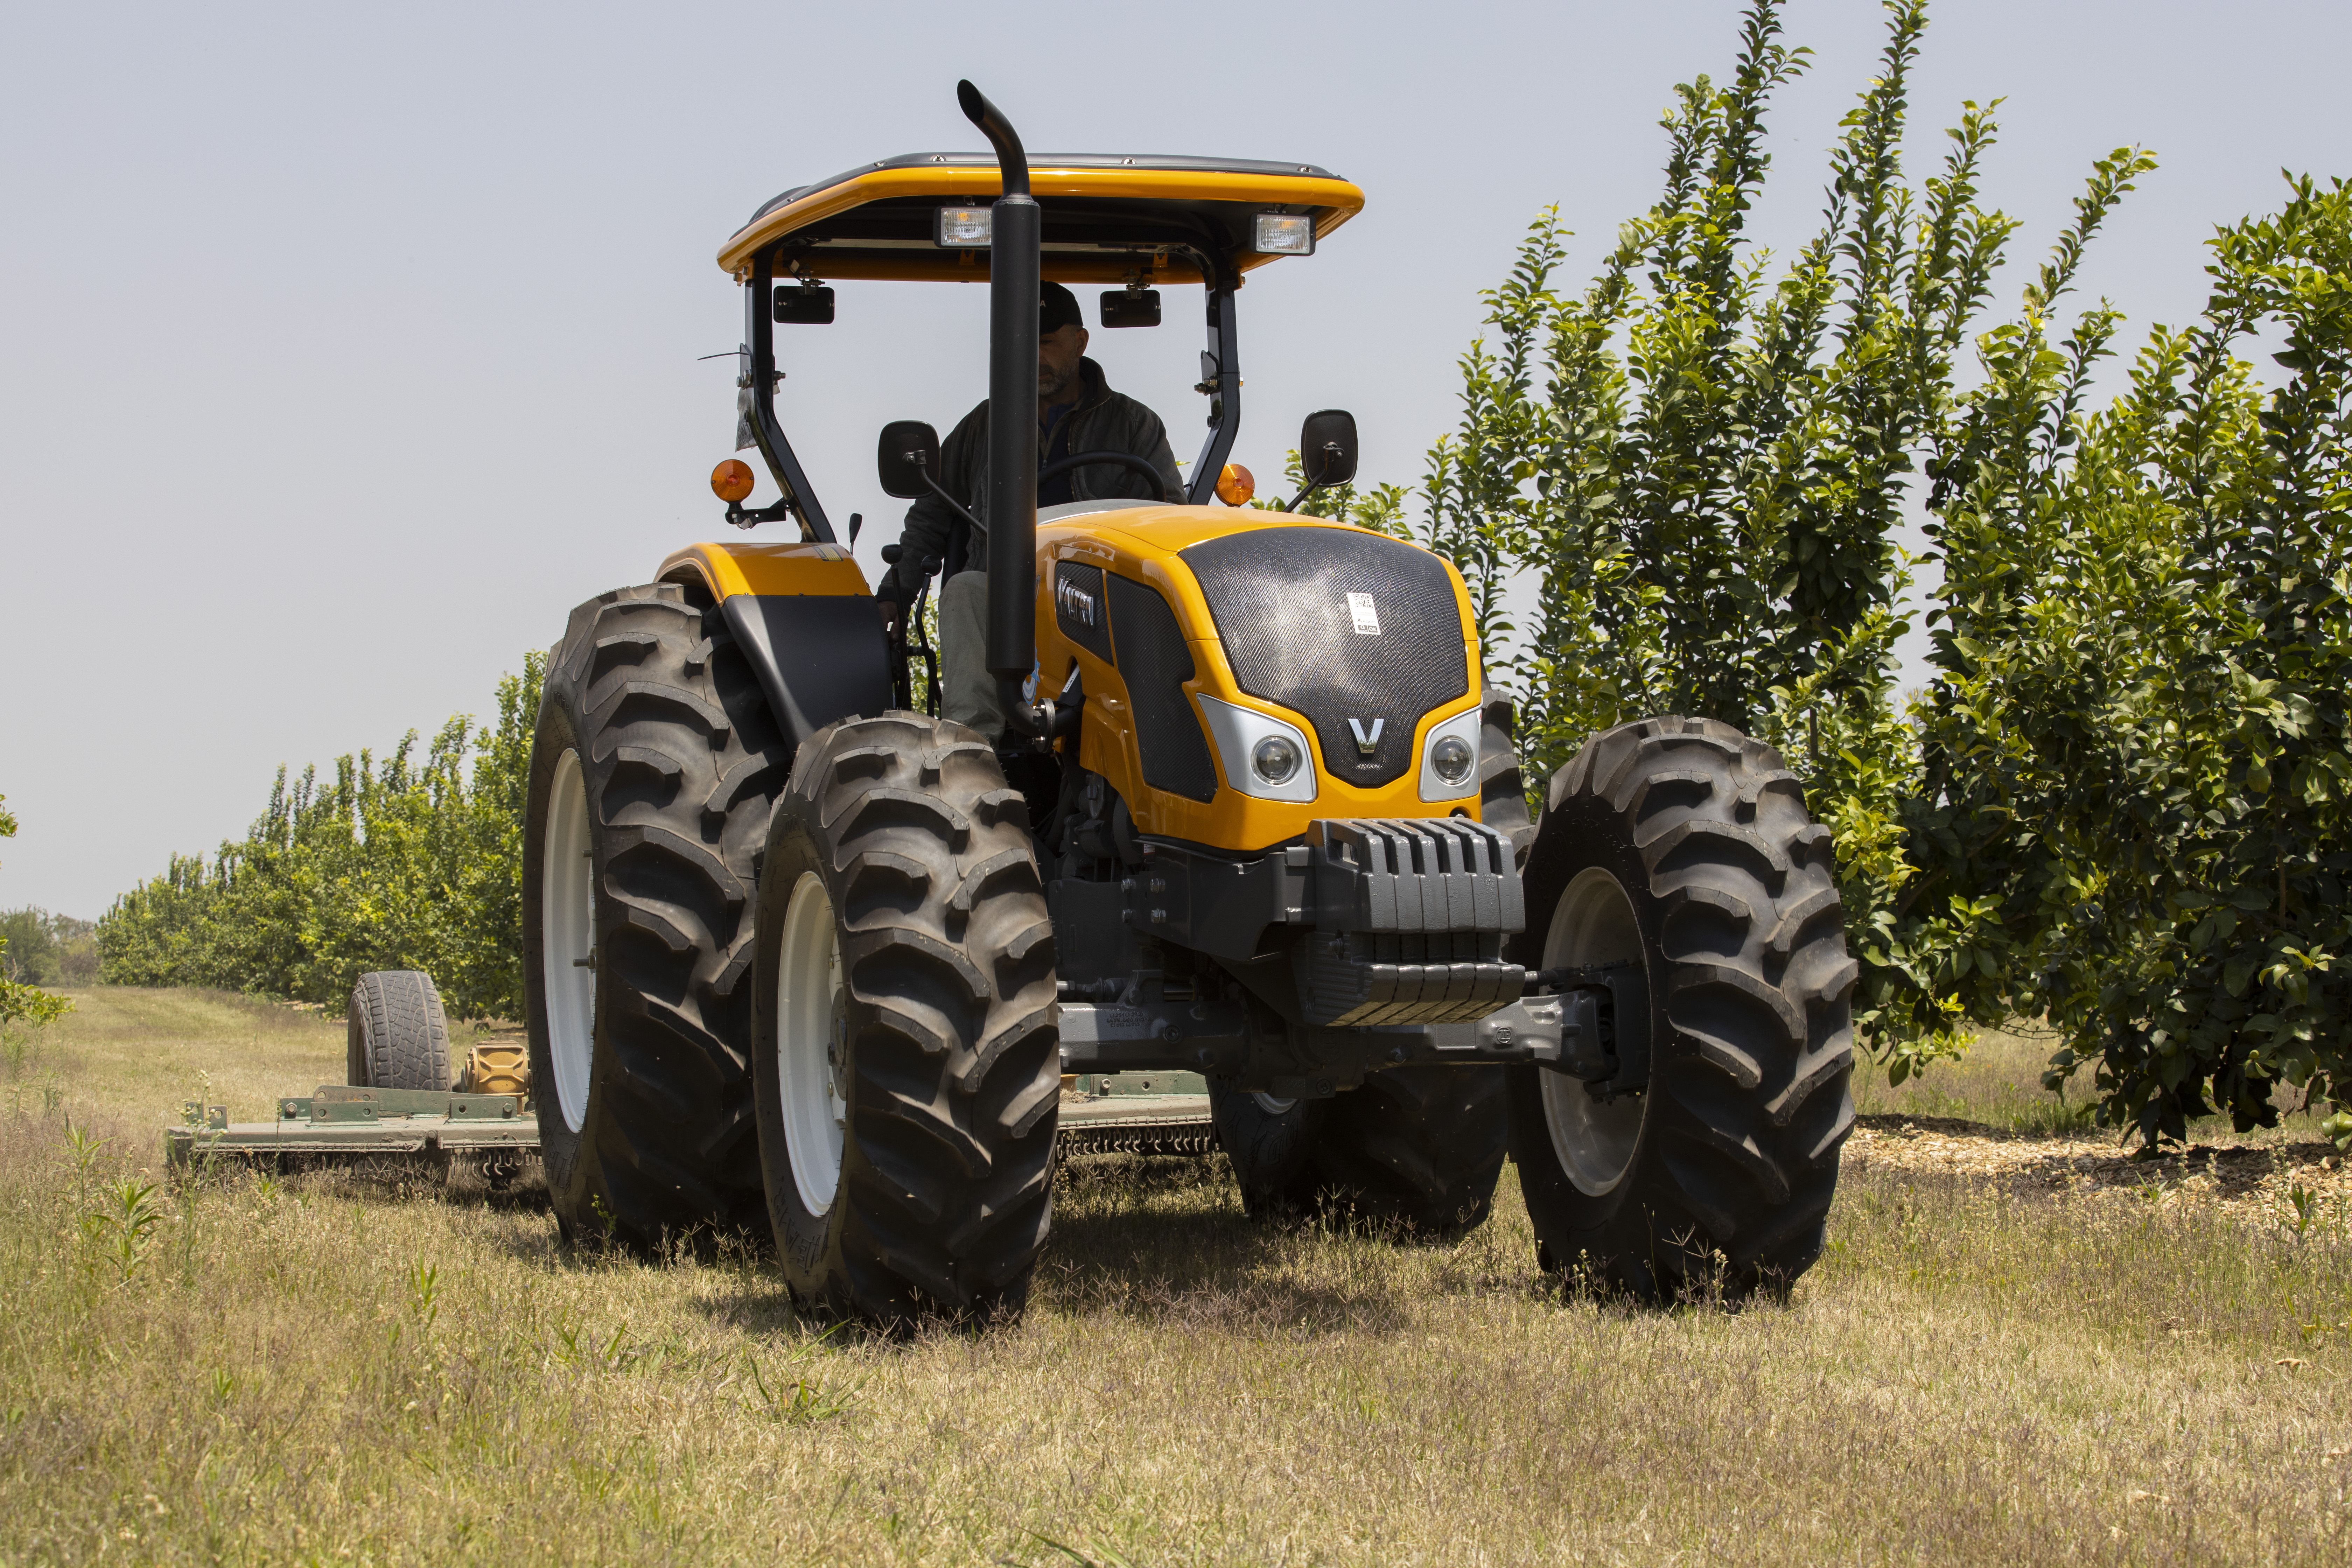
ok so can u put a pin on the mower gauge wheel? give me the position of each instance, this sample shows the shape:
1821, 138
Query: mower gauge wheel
398, 1036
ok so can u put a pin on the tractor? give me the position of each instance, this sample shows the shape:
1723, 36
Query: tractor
805, 960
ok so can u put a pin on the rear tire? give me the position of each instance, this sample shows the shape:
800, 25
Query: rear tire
906, 1056
652, 773
396, 1036
1419, 1148
1685, 845
1270, 1143
1502, 788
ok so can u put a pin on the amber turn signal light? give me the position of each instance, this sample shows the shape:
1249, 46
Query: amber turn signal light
1236, 485
731, 480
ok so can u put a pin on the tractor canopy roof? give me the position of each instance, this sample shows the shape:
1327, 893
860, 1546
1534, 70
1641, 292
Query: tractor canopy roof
1109, 217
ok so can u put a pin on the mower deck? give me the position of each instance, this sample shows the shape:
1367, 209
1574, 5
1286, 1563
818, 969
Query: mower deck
1142, 1112
339, 1121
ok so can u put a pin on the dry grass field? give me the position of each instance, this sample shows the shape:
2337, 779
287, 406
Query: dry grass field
1994, 1365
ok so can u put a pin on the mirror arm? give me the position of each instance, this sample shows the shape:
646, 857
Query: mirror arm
954, 505
767, 434
1329, 449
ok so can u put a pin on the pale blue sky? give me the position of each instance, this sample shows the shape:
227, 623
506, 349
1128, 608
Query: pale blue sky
344, 349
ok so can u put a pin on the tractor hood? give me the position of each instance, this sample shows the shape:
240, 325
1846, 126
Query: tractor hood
1357, 631
1363, 642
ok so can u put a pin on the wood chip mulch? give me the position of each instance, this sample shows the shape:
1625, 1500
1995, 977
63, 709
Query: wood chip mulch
2255, 1176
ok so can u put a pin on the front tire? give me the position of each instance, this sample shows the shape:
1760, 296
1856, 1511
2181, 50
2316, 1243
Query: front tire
1685, 847
906, 1056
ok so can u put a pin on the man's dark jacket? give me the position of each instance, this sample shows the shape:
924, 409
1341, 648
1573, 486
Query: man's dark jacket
1103, 421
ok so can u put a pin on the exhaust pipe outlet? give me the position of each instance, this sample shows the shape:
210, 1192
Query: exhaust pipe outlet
1014, 229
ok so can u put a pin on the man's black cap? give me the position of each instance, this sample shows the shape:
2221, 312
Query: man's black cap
1056, 308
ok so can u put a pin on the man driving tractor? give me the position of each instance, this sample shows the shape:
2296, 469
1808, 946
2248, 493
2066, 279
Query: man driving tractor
1076, 411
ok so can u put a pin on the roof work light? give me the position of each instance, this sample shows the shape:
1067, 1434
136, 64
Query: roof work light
1284, 234
969, 227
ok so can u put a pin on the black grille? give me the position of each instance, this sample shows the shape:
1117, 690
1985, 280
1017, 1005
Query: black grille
1280, 599
1155, 664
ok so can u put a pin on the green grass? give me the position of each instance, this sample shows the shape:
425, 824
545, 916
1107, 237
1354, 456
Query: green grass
338, 1370
1997, 1084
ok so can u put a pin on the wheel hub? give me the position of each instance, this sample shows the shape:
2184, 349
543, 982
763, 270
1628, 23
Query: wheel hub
812, 1067
1593, 1137
567, 938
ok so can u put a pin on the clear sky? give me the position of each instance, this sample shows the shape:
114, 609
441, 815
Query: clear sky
345, 348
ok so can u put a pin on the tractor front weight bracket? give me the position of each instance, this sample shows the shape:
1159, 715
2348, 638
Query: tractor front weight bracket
1373, 944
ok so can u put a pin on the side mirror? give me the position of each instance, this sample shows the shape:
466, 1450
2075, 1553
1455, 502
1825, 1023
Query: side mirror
910, 449
1130, 307
1326, 447
806, 306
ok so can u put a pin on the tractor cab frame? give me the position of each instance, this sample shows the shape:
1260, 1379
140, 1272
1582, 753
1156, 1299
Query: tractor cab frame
1133, 222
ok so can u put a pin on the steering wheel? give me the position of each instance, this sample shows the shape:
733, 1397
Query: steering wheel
1124, 460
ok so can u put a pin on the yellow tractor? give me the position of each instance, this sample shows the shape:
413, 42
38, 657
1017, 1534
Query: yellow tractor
807, 961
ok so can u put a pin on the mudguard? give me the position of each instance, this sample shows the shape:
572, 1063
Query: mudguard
804, 617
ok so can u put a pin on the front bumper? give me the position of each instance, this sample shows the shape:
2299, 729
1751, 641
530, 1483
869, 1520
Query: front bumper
1375, 944
1385, 921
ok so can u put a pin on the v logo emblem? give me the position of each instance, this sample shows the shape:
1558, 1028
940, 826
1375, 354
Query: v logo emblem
1366, 739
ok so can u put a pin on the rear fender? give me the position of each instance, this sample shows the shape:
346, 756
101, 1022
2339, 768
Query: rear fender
804, 617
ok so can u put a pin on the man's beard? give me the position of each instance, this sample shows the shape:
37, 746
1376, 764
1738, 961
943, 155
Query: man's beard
1053, 392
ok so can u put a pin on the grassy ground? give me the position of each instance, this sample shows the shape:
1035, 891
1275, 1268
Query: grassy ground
334, 1370
1999, 1085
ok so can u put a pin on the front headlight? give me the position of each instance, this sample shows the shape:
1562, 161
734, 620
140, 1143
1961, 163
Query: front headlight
1449, 758
1274, 759
1261, 756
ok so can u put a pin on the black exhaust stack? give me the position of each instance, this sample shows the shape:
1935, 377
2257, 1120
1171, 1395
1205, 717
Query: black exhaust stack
1013, 269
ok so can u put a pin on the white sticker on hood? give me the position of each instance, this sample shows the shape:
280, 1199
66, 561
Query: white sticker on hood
1367, 619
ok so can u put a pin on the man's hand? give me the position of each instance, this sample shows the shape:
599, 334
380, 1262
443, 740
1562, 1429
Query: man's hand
889, 609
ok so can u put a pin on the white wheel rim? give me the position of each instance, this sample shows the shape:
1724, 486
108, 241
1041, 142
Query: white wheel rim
812, 1043
1594, 1141
567, 934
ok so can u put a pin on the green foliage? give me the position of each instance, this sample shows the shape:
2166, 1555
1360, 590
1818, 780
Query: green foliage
2120, 804
414, 863
22, 1005
2136, 746
1701, 465
120, 1228
43, 949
